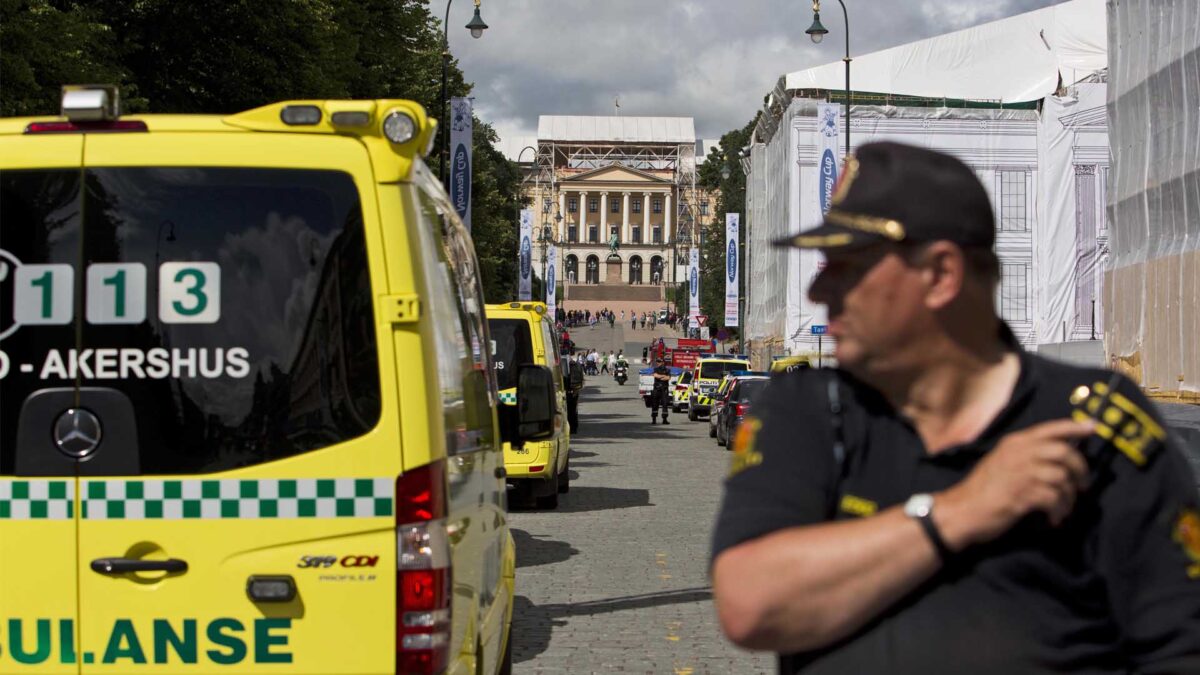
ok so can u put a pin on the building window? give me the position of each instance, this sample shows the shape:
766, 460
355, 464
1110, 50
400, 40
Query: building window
1014, 289
1013, 217
657, 205
704, 208
657, 234
593, 234
546, 205
636, 234
572, 205
593, 205
573, 232
637, 206
614, 206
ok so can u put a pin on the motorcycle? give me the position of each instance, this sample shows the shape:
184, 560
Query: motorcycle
620, 374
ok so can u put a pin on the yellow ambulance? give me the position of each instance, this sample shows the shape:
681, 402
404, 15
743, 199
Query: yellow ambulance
246, 406
523, 333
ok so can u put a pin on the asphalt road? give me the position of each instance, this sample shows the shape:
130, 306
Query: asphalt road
616, 579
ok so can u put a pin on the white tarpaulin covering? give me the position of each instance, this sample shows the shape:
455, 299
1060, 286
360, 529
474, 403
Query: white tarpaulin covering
1072, 236
1015, 59
1046, 172
1152, 280
579, 128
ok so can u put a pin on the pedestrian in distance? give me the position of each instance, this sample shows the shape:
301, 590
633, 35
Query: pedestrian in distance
947, 502
604, 364
660, 395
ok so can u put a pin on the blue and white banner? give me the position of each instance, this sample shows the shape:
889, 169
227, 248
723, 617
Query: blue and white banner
733, 266
461, 124
827, 152
694, 285
525, 256
552, 281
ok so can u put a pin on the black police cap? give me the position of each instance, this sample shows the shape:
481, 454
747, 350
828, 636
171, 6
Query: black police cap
892, 192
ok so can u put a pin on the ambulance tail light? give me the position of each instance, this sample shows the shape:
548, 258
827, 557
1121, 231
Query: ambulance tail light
423, 574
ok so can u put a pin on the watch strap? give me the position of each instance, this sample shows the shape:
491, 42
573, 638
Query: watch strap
931, 531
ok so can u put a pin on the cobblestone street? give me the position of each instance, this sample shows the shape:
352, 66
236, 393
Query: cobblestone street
616, 579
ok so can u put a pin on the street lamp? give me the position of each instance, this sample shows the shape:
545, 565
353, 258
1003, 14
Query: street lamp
817, 32
476, 26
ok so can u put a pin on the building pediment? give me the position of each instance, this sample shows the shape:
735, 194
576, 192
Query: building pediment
616, 173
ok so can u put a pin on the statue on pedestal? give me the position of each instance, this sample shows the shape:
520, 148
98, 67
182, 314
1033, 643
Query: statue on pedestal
613, 246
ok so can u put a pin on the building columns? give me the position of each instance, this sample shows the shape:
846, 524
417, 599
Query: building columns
583, 230
646, 217
667, 239
625, 233
604, 216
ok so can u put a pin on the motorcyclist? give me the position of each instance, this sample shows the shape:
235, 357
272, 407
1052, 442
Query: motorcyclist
660, 396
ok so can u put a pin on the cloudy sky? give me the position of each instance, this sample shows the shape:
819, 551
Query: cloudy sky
712, 60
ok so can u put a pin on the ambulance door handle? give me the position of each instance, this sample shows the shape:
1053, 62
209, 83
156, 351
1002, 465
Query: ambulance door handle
124, 565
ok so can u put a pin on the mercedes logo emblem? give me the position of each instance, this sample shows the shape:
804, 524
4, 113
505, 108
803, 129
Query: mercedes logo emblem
77, 433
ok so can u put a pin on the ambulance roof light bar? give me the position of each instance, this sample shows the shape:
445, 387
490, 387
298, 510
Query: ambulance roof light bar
91, 102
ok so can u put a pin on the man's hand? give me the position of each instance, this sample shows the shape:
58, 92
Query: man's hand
1035, 469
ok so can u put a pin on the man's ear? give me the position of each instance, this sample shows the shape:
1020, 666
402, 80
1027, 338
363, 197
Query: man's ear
944, 269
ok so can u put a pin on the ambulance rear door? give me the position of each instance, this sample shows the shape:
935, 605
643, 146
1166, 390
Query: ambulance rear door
40, 432
243, 518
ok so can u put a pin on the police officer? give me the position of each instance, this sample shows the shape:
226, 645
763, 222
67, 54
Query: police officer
660, 396
947, 502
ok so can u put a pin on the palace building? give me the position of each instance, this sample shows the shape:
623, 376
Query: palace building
618, 197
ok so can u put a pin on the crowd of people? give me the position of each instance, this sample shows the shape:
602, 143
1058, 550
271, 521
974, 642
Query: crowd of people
637, 320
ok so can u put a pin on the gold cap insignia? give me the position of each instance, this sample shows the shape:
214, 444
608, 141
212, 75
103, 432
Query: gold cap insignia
849, 173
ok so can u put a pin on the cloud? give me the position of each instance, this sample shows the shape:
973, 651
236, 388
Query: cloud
713, 60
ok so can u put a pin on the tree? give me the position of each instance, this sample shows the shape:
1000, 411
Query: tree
732, 199
34, 63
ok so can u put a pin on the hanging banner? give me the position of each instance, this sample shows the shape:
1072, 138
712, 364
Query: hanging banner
525, 256
552, 281
461, 124
827, 149
732, 271
694, 285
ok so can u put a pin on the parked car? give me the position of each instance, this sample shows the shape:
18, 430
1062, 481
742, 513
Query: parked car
738, 400
680, 390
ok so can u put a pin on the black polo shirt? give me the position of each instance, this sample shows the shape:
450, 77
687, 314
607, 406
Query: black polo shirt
1114, 589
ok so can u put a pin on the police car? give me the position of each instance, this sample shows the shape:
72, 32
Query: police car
247, 405
707, 377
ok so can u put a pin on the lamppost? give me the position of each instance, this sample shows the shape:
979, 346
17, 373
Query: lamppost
476, 26
817, 32
683, 244
546, 239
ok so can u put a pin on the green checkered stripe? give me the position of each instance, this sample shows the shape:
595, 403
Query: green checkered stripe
231, 498
508, 397
37, 499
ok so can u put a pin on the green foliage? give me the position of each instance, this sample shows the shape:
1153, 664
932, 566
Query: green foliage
44, 45
225, 56
732, 199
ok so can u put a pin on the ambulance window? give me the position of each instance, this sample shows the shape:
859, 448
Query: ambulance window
39, 225
456, 307
258, 336
514, 348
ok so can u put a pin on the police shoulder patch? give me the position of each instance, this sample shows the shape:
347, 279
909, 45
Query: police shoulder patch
1186, 533
744, 454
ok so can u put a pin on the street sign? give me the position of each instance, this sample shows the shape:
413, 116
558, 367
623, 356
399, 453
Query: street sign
701, 319
818, 329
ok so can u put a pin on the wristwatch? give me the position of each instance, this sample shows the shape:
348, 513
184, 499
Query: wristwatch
919, 507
